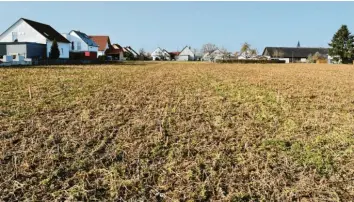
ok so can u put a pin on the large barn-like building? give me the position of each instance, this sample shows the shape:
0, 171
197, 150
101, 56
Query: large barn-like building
293, 54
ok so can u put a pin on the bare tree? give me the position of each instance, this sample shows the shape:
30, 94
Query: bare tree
141, 51
209, 48
245, 47
224, 52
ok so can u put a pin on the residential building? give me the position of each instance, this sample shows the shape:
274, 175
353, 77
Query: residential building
103, 43
28, 31
186, 54
82, 46
115, 52
160, 54
292, 54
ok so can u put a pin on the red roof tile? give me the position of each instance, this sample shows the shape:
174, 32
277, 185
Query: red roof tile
174, 53
101, 41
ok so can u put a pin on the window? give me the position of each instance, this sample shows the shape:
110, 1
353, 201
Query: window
72, 45
78, 45
14, 36
62, 51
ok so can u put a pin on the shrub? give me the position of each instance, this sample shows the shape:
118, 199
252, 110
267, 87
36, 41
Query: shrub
249, 61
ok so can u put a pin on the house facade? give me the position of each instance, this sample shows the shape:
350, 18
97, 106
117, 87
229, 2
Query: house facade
186, 54
103, 43
115, 51
215, 55
292, 54
82, 46
25, 30
160, 54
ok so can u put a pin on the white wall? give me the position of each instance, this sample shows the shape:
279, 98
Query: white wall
187, 51
100, 53
287, 60
183, 58
73, 37
64, 49
25, 33
159, 53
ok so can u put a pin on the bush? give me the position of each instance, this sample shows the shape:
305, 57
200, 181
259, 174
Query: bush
102, 58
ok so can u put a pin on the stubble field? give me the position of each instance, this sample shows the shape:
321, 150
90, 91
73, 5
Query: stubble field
177, 132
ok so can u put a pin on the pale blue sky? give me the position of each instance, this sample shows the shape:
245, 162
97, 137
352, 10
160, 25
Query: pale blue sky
172, 25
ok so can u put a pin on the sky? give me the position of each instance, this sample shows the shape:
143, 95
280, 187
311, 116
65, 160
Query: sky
173, 25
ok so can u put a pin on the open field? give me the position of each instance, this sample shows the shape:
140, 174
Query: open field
178, 132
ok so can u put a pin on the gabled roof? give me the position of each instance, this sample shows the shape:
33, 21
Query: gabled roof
117, 46
101, 41
85, 38
174, 53
131, 50
46, 30
288, 52
185, 48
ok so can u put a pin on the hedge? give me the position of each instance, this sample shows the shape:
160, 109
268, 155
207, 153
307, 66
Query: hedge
250, 61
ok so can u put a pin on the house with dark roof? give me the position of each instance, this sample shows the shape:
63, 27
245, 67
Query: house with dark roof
160, 54
29, 32
186, 54
103, 42
82, 46
129, 50
293, 54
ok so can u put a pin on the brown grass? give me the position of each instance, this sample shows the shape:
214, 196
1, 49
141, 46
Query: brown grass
177, 132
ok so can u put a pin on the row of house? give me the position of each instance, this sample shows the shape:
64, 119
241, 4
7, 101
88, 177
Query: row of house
288, 54
33, 39
186, 54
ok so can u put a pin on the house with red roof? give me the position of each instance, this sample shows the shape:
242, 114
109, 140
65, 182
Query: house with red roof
103, 43
105, 47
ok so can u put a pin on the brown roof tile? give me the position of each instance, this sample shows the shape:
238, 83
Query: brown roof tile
101, 41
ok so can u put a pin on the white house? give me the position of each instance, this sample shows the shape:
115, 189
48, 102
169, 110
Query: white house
186, 54
215, 55
80, 42
25, 30
160, 54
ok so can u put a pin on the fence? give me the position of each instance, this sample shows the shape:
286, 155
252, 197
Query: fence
72, 62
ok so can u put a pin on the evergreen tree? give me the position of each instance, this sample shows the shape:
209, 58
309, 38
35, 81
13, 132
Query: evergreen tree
54, 50
342, 45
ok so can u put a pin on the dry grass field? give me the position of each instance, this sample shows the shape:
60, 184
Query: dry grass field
177, 132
